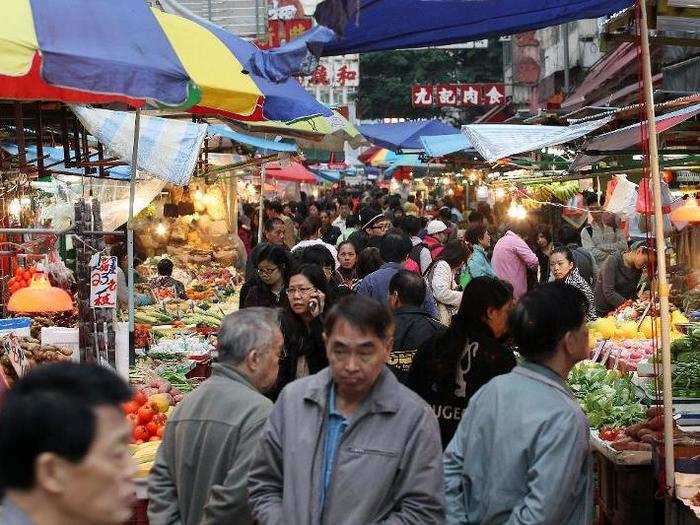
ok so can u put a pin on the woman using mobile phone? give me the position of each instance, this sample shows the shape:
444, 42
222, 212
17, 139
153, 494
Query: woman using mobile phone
302, 325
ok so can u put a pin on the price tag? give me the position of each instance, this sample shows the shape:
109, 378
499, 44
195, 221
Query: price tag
16, 354
103, 283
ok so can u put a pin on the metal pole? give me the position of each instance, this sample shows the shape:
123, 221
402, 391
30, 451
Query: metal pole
661, 256
130, 234
261, 212
565, 36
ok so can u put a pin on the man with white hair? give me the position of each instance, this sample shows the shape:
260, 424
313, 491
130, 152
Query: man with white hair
202, 465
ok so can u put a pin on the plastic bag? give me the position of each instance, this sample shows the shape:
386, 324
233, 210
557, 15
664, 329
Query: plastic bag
623, 198
645, 199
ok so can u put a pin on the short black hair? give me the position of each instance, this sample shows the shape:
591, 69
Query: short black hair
278, 256
362, 312
316, 254
310, 226
409, 286
275, 206
565, 251
51, 409
475, 233
395, 246
369, 260
270, 224
352, 220
543, 316
165, 267
476, 216
411, 225
445, 214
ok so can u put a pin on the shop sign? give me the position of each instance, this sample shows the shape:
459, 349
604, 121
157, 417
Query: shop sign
103, 283
335, 72
455, 95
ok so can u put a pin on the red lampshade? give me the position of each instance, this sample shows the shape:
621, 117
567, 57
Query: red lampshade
40, 296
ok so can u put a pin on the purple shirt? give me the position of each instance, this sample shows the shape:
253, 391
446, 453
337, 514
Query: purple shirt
511, 259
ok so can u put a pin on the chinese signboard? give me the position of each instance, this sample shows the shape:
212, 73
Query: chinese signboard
427, 95
336, 72
281, 31
103, 283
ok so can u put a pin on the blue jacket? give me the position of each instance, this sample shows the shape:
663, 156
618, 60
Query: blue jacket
376, 285
479, 265
520, 454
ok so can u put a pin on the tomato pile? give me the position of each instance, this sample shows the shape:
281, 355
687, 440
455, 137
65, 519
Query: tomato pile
147, 421
21, 279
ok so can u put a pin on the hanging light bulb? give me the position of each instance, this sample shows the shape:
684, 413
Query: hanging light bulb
15, 207
161, 229
517, 211
482, 192
198, 195
499, 193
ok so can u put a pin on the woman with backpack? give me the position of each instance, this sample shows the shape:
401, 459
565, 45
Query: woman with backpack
440, 278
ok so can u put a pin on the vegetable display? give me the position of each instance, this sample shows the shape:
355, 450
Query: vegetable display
606, 396
640, 436
35, 353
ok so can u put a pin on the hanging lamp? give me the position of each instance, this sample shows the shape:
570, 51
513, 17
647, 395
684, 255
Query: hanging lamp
689, 212
39, 297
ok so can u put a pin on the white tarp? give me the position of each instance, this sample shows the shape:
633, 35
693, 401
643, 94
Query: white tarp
496, 141
168, 148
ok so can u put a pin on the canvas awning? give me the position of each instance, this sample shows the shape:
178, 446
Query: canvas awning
496, 141
220, 130
294, 172
440, 145
404, 135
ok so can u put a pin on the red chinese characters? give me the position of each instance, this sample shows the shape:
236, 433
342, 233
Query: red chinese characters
421, 95
455, 95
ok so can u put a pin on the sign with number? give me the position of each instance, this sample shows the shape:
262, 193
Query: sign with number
103, 283
16, 354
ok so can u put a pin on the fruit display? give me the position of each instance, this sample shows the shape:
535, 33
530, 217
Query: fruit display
640, 436
554, 191
21, 278
147, 415
628, 353
144, 455
607, 397
194, 313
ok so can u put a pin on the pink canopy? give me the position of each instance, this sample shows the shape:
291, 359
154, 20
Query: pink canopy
293, 173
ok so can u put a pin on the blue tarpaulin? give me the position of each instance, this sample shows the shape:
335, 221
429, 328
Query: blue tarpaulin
404, 135
249, 140
398, 24
440, 145
326, 175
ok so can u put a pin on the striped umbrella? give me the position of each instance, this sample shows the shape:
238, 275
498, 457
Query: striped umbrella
98, 51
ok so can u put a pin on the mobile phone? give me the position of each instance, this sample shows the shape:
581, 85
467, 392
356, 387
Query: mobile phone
313, 304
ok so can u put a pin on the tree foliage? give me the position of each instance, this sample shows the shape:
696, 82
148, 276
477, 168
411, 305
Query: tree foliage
386, 78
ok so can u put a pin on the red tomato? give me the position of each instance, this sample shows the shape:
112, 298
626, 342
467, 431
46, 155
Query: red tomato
129, 407
27, 275
160, 419
140, 398
161, 431
140, 433
139, 441
154, 438
133, 419
152, 428
145, 414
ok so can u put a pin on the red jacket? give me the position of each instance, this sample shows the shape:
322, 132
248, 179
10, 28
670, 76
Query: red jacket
433, 245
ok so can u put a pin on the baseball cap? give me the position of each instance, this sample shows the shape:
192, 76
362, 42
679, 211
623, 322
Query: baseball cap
435, 227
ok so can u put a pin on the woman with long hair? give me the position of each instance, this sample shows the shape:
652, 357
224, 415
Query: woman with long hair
563, 267
302, 325
441, 279
346, 273
450, 368
267, 288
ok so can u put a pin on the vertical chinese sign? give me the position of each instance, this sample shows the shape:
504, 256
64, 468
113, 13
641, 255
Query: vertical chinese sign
103, 283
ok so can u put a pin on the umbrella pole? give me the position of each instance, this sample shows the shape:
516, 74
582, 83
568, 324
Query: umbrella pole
661, 259
261, 211
130, 234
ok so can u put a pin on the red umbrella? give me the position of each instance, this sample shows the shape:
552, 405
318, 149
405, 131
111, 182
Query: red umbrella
295, 172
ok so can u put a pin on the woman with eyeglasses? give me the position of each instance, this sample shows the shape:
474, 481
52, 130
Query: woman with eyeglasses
267, 288
302, 325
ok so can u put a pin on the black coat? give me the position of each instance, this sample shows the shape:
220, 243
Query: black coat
448, 390
257, 293
300, 341
414, 327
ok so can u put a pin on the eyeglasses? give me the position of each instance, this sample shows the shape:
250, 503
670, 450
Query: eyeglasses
384, 226
267, 271
300, 291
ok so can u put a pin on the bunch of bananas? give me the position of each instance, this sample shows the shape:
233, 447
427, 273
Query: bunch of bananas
555, 191
145, 456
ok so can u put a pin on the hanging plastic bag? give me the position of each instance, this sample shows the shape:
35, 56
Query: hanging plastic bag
623, 198
645, 199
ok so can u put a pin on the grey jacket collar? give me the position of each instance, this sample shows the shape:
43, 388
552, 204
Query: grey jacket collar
229, 372
381, 399
11, 514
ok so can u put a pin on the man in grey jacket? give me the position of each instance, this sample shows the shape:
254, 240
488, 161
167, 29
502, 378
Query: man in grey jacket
349, 445
200, 473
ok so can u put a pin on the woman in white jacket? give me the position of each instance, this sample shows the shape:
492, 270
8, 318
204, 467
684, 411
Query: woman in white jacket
441, 279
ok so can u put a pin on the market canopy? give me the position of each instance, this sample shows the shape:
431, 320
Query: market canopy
440, 145
377, 157
292, 172
629, 136
372, 25
497, 141
220, 130
98, 51
404, 135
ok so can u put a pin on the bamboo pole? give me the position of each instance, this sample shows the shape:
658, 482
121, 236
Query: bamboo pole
130, 233
261, 211
660, 251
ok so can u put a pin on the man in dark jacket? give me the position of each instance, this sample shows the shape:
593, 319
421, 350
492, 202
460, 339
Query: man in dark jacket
414, 326
202, 465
